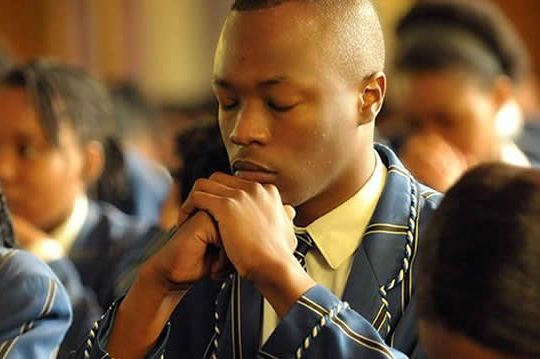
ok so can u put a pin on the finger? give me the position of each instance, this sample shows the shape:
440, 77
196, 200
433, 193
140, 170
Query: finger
206, 186
217, 206
238, 183
291, 213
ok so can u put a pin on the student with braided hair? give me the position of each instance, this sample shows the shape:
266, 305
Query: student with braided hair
54, 128
299, 84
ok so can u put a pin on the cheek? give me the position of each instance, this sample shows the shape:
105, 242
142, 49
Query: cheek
480, 137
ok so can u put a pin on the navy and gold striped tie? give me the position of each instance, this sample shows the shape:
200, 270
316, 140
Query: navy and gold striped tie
305, 243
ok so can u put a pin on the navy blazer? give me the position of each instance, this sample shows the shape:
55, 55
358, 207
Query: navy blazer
376, 318
106, 238
35, 312
95, 263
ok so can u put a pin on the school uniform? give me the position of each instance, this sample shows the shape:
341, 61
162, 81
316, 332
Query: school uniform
372, 316
150, 183
97, 238
104, 239
35, 312
529, 140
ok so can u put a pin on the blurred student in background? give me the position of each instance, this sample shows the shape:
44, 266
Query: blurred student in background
202, 152
148, 181
479, 273
458, 64
54, 131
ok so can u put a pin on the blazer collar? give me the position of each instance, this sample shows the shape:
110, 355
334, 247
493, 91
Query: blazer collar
381, 262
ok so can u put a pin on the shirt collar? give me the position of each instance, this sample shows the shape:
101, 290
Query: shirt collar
66, 233
338, 233
511, 154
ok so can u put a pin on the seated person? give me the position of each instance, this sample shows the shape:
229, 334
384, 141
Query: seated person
299, 84
53, 125
457, 63
202, 152
148, 181
35, 312
479, 272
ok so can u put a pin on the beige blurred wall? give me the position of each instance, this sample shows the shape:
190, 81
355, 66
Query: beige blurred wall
164, 45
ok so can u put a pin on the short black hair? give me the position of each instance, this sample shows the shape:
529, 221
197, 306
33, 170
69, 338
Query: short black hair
247, 5
203, 153
480, 22
352, 27
479, 268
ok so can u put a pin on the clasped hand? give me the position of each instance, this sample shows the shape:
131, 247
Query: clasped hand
228, 220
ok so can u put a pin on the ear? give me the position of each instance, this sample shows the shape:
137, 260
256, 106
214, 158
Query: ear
503, 91
371, 97
94, 162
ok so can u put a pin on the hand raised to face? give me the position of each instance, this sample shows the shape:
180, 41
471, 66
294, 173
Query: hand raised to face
255, 227
433, 161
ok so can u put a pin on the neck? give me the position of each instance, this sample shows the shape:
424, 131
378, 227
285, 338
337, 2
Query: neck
346, 185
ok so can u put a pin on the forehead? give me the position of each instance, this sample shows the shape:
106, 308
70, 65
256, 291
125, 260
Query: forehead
15, 108
18, 117
435, 88
282, 41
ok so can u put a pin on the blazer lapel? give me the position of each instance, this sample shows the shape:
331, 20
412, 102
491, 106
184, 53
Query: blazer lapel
362, 289
378, 263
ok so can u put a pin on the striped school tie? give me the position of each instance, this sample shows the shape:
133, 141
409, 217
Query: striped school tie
305, 243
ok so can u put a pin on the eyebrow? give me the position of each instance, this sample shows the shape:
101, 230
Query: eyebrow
220, 82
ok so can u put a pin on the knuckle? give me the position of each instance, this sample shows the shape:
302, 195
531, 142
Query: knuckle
199, 183
215, 176
229, 203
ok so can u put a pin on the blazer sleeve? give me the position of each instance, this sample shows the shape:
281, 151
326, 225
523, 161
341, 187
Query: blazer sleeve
319, 325
35, 312
95, 345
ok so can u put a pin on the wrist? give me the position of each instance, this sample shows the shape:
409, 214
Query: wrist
284, 283
142, 316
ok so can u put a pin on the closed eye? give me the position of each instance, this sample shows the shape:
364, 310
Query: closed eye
228, 105
280, 108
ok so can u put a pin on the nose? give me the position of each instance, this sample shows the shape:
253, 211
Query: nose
250, 126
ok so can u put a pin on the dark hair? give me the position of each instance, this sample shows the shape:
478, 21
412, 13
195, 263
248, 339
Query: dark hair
479, 271
471, 35
7, 235
247, 5
203, 153
62, 93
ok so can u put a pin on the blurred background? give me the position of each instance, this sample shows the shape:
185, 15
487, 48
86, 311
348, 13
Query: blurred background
164, 46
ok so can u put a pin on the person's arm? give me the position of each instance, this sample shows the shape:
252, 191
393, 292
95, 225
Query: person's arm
136, 327
35, 311
319, 325
257, 235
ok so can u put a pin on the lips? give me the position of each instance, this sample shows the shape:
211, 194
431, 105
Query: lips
252, 171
